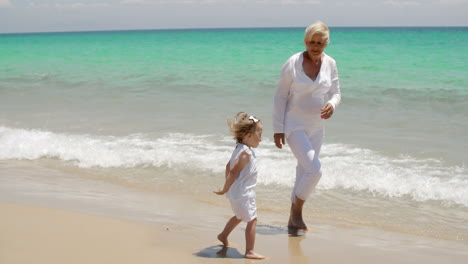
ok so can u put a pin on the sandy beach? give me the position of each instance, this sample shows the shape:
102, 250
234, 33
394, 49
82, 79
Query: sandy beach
42, 235
71, 231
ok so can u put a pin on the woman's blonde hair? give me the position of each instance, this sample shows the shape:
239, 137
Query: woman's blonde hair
317, 28
241, 125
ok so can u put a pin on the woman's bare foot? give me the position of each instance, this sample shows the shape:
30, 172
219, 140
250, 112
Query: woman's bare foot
252, 255
295, 219
297, 223
223, 240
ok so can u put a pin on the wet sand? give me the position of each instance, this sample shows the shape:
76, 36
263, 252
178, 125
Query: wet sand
32, 233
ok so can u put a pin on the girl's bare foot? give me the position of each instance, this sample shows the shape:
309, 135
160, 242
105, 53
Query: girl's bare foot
222, 252
252, 255
223, 240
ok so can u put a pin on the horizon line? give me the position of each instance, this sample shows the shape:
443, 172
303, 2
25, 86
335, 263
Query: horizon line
213, 28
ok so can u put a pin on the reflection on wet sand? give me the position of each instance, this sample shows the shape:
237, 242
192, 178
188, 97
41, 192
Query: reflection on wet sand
294, 246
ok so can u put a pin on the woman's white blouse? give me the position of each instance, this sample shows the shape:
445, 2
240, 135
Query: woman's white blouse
298, 98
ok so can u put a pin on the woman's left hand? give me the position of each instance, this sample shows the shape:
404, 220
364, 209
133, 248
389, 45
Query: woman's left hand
327, 111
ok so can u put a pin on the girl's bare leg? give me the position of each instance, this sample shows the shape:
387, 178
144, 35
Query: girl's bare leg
230, 225
295, 217
250, 240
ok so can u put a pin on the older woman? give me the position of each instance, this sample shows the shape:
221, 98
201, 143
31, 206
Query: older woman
307, 78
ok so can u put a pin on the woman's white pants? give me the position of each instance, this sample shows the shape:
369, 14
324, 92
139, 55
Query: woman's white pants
305, 145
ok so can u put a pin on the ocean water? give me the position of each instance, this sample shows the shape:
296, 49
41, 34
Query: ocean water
148, 109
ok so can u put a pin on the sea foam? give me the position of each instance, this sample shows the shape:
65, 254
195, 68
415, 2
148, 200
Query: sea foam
344, 166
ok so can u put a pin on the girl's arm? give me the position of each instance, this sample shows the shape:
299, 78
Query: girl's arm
226, 172
239, 164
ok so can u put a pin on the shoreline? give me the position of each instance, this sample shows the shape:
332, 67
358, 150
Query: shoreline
183, 230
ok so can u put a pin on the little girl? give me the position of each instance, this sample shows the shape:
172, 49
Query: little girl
241, 178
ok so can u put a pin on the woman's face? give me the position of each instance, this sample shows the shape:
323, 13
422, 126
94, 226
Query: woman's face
315, 46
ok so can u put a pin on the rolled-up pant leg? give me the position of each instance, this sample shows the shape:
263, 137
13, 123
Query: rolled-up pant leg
306, 148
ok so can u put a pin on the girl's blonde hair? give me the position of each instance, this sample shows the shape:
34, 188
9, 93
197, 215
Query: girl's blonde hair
241, 125
317, 28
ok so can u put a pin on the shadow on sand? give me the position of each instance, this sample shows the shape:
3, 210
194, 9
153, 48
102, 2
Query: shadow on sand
219, 251
271, 230
279, 230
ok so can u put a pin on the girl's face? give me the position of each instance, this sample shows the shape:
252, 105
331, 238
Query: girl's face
315, 45
253, 139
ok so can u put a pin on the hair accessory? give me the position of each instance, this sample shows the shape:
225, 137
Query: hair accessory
255, 120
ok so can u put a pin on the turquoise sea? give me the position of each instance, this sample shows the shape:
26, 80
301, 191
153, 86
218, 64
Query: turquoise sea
148, 109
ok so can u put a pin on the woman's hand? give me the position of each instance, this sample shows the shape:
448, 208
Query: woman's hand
279, 140
327, 111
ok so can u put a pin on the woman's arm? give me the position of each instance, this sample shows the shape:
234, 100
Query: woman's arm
280, 102
281, 97
334, 94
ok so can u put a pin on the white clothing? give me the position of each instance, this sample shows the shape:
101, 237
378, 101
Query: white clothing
297, 106
299, 99
241, 194
305, 146
244, 209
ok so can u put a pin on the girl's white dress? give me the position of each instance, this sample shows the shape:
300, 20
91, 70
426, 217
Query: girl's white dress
241, 194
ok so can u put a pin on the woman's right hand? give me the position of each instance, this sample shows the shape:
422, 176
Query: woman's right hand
279, 140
